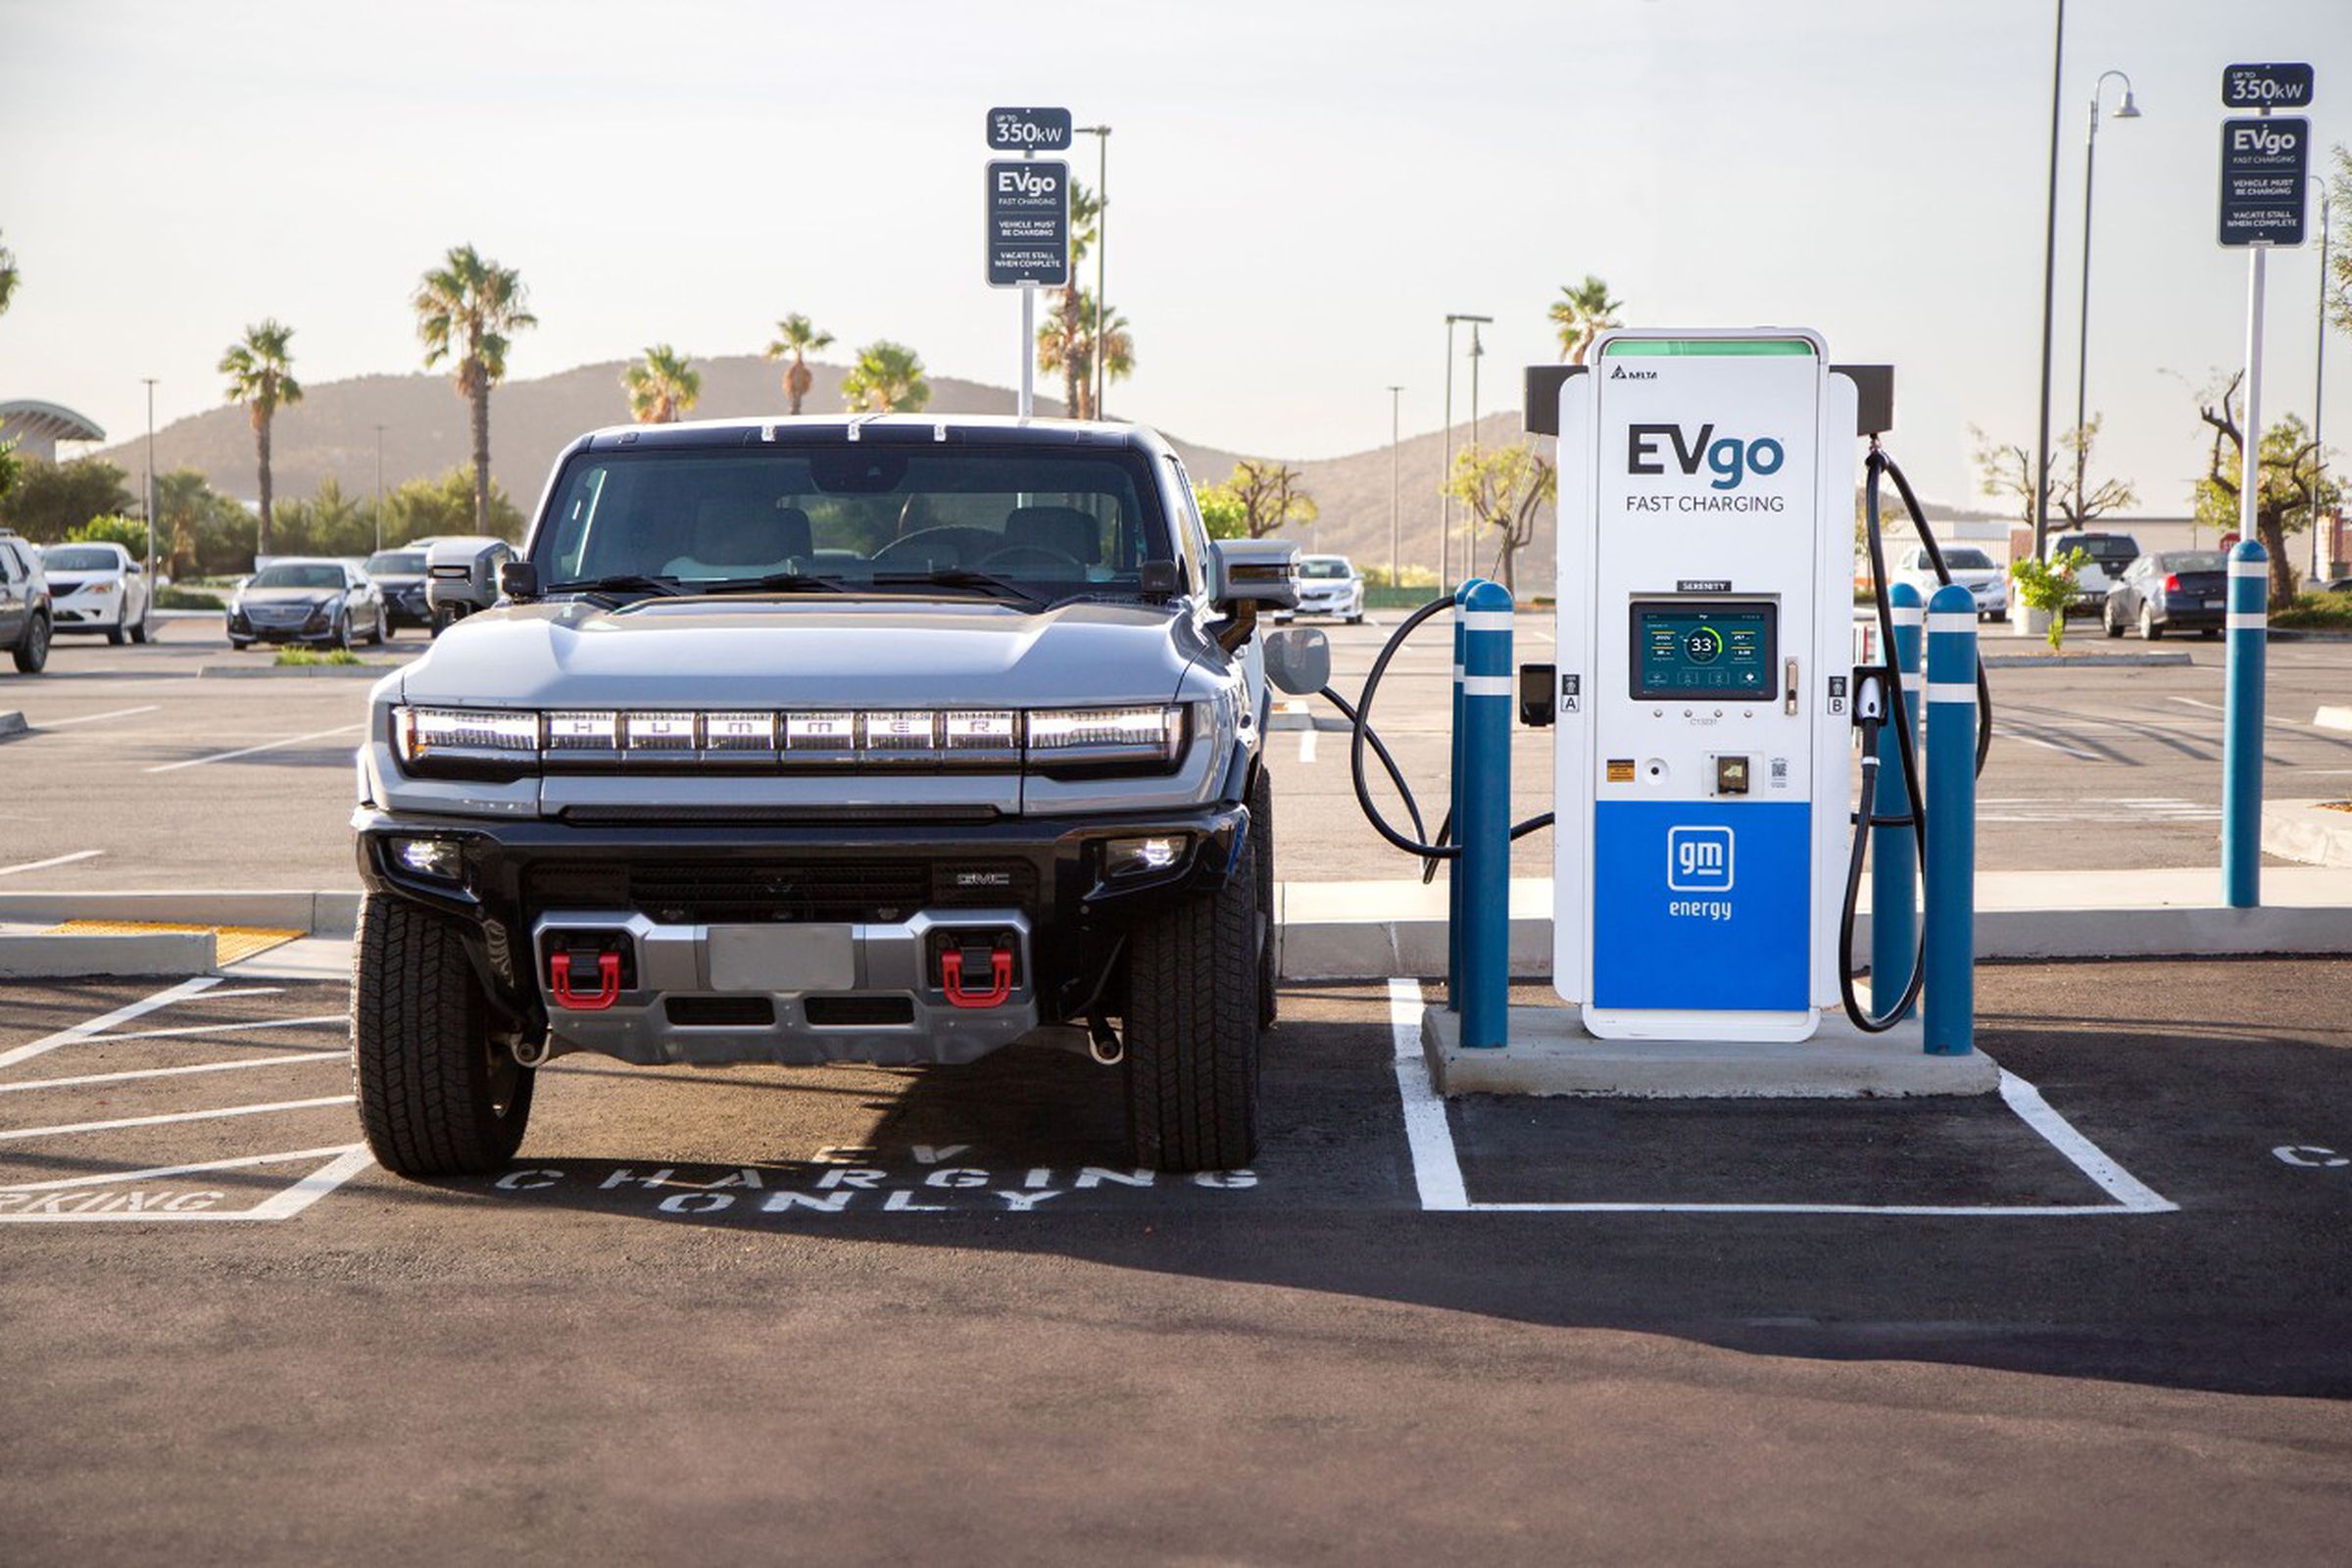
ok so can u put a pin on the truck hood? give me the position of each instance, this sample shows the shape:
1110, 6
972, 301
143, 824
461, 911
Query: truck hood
807, 652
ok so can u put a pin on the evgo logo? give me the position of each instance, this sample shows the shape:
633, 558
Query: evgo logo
1698, 859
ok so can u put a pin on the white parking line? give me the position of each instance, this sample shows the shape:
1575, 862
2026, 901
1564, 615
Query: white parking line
95, 718
1307, 746
123, 1014
1438, 1169
226, 1028
248, 751
153, 1172
13, 1134
142, 1208
54, 859
85, 1079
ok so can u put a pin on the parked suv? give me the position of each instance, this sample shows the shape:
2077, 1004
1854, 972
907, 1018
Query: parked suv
24, 614
98, 587
2110, 555
888, 740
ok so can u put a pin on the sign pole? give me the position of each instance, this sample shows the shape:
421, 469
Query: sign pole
1028, 343
2249, 467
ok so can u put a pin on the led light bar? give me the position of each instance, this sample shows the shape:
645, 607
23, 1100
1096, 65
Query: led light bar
469, 739
466, 734
1106, 734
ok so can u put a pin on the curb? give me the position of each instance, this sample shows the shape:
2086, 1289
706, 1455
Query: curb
2079, 660
362, 671
11, 724
56, 956
2333, 718
322, 913
2307, 831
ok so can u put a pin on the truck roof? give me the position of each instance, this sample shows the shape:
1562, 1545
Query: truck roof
895, 429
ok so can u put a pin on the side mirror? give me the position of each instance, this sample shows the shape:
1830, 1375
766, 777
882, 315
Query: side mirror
1298, 659
1262, 574
518, 580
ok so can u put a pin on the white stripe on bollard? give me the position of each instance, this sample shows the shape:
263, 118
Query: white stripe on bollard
1488, 686
1951, 620
1905, 614
2249, 619
1483, 620
2249, 569
1952, 691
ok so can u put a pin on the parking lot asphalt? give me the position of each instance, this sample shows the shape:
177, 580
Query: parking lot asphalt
138, 772
860, 1316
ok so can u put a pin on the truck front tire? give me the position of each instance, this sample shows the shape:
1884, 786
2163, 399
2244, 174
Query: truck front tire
1193, 980
438, 1095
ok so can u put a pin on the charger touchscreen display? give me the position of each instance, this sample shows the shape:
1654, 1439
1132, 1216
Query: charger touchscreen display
1704, 650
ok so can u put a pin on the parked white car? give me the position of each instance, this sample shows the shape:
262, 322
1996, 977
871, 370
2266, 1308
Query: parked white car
1972, 569
98, 587
1328, 585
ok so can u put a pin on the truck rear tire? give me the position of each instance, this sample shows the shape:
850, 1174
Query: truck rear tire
438, 1096
1192, 1029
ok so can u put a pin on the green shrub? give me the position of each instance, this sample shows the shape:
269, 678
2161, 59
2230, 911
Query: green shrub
172, 596
300, 658
2051, 586
2315, 611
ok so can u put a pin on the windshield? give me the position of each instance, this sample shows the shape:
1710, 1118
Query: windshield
1053, 520
396, 564
79, 557
2195, 560
1968, 559
294, 574
1324, 567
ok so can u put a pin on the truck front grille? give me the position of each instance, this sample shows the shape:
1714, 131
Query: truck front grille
751, 891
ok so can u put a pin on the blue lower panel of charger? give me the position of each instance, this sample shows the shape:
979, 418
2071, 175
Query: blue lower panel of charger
1702, 907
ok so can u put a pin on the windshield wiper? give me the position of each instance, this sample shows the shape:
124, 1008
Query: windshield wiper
959, 578
626, 582
774, 582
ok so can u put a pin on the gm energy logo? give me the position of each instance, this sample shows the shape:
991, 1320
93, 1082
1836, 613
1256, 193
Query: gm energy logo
1698, 859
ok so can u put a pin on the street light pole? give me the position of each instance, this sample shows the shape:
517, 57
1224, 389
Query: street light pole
1101, 136
2127, 110
2319, 386
149, 486
1446, 480
2049, 298
1394, 580
379, 487
1478, 352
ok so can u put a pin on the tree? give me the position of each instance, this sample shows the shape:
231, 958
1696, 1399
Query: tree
1504, 487
2339, 256
1269, 497
198, 529
1583, 313
12, 466
1062, 343
50, 500
260, 367
2051, 587
1222, 513
2292, 486
662, 385
113, 529
2006, 470
9, 278
1111, 341
797, 335
328, 523
1074, 355
423, 508
466, 309
887, 378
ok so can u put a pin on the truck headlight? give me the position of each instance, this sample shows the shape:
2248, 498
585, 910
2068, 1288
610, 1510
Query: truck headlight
1153, 734
466, 737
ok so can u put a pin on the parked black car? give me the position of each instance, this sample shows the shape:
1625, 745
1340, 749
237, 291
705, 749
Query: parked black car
398, 576
2172, 590
305, 600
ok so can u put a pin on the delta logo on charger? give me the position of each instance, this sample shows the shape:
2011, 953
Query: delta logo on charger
1698, 859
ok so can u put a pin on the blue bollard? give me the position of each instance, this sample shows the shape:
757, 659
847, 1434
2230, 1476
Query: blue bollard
1453, 867
1894, 867
1951, 796
2242, 726
1482, 812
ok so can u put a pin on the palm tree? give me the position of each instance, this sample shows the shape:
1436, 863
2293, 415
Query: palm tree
1110, 336
464, 310
887, 378
8, 278
797, 335
1582, 314
260, 367
660, 386
1068, 320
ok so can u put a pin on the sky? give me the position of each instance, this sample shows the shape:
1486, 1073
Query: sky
1299, 193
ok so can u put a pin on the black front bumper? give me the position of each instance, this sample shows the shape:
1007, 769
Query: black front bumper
513, 871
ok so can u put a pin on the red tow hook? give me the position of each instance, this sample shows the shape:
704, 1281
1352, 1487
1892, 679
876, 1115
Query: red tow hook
950, 974
608, 975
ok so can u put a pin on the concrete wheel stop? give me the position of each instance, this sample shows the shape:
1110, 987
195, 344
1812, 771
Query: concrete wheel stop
1551, 1053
